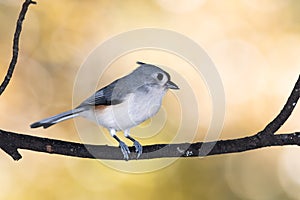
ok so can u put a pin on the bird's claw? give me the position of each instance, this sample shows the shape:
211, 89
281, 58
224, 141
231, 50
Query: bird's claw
125, 150
138, 148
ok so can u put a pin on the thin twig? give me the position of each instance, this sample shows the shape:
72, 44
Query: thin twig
15, 51
285, 113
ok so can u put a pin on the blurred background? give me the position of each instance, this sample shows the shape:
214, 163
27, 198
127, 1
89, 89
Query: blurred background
255, 46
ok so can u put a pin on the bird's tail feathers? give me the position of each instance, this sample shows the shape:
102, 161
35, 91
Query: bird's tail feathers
45, 123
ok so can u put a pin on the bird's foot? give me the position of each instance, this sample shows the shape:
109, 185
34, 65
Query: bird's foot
125, 150
138, 148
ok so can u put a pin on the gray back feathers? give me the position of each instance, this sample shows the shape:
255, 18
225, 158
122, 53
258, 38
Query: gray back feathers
117, 91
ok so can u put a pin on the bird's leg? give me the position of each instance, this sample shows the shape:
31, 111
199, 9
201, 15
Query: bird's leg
137, 145
123, 146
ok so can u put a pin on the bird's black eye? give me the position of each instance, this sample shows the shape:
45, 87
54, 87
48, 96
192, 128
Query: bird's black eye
160, 76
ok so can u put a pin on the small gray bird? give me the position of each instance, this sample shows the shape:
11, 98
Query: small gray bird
123, 104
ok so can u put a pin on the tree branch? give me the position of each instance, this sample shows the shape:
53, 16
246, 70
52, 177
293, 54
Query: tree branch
15, 51
11, 142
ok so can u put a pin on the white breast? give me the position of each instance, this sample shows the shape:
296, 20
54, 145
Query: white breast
137, 108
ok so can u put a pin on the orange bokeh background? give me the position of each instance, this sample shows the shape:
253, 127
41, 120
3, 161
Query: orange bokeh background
255, 46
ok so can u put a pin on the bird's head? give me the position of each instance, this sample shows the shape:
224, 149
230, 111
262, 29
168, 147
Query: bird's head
154, 75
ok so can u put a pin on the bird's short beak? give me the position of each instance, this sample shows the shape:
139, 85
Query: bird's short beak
172, 85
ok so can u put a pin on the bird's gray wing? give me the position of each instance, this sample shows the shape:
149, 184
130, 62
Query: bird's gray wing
105, 96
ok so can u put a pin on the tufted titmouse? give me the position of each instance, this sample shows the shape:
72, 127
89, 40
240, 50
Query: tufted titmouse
123, 104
